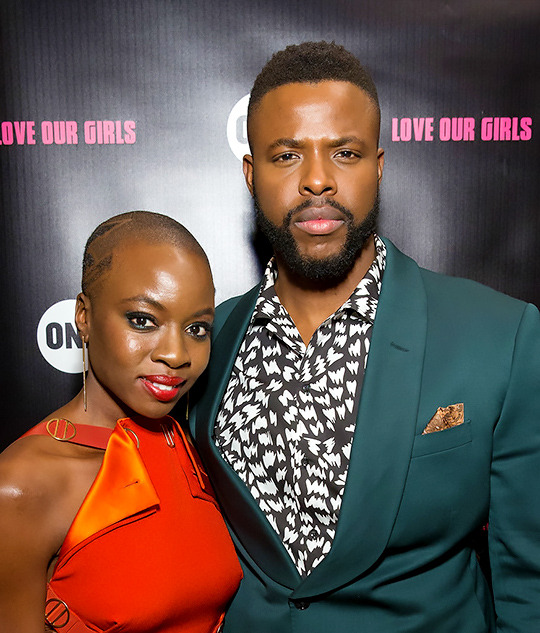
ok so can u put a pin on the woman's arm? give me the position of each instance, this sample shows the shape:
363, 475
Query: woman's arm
39, 496
25, 547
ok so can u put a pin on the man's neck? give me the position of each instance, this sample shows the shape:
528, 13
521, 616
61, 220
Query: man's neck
310, 303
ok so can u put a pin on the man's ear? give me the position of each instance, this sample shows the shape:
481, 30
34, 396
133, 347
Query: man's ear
83, 315
247, 166
380, 164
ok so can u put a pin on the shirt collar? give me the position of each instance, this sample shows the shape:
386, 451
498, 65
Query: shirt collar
362, 302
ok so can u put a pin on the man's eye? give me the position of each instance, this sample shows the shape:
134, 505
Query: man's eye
346, 153
283, 158
141, 321
200, 331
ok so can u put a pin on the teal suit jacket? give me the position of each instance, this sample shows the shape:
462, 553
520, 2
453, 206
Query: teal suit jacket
403, 558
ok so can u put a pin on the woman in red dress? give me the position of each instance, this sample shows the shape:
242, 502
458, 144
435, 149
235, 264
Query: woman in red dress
107, 519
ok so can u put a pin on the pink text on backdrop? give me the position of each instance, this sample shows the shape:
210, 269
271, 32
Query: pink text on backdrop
419, 128
109, 132
18, 132
67, 132
405, 129
59, 133
506, 128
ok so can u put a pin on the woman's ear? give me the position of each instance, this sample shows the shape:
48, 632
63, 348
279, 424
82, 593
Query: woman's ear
83, 316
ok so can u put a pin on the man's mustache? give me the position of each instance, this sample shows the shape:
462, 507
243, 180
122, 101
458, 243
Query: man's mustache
317, 202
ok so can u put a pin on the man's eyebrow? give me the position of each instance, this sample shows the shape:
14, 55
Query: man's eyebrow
286, 142
346, 140
298, 143
144, 299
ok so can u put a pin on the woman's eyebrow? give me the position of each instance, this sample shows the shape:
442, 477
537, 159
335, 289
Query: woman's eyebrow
144, 299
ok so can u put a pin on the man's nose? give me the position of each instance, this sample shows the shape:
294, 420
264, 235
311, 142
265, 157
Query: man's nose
317, 177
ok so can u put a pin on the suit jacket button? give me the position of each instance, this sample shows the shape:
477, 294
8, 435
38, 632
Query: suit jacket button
301, 605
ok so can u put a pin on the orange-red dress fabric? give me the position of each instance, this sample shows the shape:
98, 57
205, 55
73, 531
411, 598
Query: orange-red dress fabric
148, 551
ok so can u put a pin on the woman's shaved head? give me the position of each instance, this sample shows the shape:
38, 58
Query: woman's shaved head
131, 226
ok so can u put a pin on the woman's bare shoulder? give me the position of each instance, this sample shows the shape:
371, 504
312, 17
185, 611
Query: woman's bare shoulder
42, 484
33, 475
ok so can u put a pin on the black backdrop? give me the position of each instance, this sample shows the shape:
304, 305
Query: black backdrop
164, 76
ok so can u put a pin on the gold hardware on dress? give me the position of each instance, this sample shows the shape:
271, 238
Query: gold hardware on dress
61, 432
169, 435
55, 619
134, 435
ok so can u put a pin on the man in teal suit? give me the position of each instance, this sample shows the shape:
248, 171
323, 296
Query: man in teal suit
363, 418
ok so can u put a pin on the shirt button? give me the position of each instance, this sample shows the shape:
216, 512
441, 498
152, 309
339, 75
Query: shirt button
305, 462
313, 533
301, 605
306, 387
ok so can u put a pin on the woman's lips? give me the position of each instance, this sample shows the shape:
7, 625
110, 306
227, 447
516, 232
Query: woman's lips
163, 388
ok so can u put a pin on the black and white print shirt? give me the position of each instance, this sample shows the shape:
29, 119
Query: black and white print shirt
287, 419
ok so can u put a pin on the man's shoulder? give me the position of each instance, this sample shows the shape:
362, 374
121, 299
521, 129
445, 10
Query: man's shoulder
468, 307
227, 306
460, 291
463, 290
224, 309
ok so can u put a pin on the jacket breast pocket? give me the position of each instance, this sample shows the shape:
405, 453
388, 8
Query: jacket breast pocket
442, 440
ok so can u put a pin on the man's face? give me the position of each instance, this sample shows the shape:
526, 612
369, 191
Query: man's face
314, 174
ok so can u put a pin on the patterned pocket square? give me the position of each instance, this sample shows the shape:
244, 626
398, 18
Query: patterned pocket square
445, 418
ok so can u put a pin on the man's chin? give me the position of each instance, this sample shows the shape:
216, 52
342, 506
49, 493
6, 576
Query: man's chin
320, 255
331, 269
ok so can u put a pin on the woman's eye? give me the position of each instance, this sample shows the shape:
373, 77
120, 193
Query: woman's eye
141, 321
200, 331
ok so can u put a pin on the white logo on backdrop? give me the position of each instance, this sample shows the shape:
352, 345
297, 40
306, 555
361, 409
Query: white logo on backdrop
57, 337
237, 128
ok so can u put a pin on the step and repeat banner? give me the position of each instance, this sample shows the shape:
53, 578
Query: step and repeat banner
112, 105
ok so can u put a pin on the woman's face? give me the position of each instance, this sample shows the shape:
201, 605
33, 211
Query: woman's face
148, 329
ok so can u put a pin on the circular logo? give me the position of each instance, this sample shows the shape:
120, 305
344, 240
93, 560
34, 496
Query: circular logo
237, 128
57, 337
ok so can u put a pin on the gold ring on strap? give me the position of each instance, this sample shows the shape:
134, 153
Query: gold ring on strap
134, 435
62, 430
55, 619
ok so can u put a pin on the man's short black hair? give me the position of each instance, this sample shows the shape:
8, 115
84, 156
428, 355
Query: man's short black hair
311, 62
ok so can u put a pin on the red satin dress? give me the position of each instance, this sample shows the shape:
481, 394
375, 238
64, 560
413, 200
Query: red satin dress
148, 551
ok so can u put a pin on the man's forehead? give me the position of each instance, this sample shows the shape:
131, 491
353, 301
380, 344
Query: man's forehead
332, 109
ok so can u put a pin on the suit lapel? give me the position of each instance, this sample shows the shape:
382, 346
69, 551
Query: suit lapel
385, 429
249, 525
381, 449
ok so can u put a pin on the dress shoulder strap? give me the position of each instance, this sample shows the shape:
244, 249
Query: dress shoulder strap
59, 616
66, 431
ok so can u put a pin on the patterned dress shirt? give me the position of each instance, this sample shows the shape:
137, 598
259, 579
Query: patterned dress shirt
287, 419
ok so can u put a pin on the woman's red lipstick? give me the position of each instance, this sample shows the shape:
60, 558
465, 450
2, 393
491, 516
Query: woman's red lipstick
163, 388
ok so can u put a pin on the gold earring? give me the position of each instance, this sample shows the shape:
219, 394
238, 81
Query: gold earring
84, 371
187, 406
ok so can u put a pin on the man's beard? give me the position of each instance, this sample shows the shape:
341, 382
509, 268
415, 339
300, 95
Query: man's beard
327, 269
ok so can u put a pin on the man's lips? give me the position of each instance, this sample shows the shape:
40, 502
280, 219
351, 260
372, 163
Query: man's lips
164, 388
319, 220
